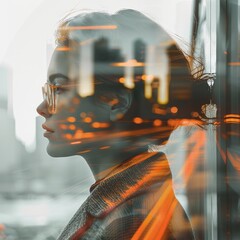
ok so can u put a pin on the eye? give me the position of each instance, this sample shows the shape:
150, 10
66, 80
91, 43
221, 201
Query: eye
59, 89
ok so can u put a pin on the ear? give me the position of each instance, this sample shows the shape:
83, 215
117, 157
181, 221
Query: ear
123, 104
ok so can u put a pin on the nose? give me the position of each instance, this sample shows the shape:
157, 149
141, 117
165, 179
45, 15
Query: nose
42, 109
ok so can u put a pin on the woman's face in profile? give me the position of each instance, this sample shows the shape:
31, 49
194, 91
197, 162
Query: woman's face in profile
75, 123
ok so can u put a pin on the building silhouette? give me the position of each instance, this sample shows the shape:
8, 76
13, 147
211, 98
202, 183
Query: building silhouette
12, 152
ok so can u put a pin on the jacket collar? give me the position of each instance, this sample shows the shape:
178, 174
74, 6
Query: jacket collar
131, 178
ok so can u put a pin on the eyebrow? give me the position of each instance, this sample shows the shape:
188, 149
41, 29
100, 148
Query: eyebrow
52, 77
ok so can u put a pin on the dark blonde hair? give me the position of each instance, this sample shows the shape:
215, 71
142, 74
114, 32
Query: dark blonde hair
129, 26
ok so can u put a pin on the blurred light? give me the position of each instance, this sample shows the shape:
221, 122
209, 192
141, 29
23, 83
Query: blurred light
2, 227
121, 80
163, 90
68, 136
100, 125
75, 100
105, 147
72, 127
195, 114
83, 135
71, 119
174, 110
137, 120
87, 120
173, 122
158, 110
157, 122
86, 79
72, 109
96, 125
78, 134
232, 118
114, 102
148, 90
63, 126
83, 115
129, 77
76, 142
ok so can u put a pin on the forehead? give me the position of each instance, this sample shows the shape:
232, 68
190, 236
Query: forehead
62, 62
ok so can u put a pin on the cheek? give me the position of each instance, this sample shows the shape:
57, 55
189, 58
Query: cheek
77, 116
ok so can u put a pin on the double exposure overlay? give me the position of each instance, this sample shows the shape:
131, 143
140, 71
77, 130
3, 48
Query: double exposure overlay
137, 133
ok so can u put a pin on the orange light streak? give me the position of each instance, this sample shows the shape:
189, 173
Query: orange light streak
105, 147
96, 125
76, 142
135, 160
235, 160
85, 151
160, 166
234, 63
97, 27
160, 111
159, 217
232, 115
184, 122
84, 135
63, 49
118, 135
129, 63
222, 153
100, 125
232, 120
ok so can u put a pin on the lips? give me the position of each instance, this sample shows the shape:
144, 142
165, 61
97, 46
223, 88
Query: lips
47, 128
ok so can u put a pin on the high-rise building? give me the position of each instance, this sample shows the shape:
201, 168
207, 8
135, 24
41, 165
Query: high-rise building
6, 89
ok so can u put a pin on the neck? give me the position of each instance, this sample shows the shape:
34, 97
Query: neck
103, 161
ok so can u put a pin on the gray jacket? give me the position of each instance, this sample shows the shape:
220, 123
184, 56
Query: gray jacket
134, 202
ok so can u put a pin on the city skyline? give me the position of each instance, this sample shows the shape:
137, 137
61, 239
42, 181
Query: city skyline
25, 47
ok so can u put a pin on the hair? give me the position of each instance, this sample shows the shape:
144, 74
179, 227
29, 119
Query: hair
123, 29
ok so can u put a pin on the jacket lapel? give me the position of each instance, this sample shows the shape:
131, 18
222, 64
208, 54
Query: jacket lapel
136, 176
133, 177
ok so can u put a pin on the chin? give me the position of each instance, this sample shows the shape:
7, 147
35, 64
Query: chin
60, 150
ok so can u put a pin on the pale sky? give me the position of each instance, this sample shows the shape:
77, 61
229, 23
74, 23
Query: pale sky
27, 27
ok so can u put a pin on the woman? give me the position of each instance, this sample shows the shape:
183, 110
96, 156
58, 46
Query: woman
114, 81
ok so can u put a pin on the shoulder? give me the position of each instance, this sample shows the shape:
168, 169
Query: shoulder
124, 221
121, 223
148, 213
